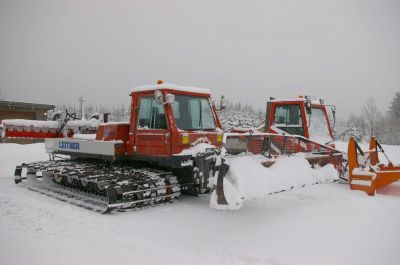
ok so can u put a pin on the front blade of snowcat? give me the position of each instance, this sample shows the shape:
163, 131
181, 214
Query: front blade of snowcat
271, 146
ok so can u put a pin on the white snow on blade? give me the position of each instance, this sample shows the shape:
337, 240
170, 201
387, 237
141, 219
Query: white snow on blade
247, 178
232, 197
173, 87
84, 136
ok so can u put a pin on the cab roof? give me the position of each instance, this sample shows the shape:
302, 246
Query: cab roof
172, 87
313, 101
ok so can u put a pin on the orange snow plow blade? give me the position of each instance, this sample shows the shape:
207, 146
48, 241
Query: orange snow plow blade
366, 173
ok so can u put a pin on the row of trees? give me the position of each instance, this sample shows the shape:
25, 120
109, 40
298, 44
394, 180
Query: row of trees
241, 115
372, 122
237, 106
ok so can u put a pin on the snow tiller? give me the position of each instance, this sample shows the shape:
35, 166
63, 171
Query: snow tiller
170, 146
366, 173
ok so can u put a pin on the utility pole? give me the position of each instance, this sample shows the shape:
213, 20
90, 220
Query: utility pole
82, 108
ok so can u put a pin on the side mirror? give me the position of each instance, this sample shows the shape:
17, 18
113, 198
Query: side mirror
333, 109
158, 97
169, 99
308, 106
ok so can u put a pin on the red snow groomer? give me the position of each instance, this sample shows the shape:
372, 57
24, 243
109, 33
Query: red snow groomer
171, 145
291, 126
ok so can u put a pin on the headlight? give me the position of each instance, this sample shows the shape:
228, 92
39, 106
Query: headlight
185, 139
219, 138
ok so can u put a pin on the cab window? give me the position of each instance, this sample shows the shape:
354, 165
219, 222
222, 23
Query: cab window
288, 118
151, 114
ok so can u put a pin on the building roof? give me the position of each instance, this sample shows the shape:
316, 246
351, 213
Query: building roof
25, 105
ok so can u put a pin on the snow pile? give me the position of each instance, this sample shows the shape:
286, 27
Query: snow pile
247, 178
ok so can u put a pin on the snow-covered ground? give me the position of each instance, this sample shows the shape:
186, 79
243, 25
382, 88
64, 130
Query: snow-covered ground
320, 224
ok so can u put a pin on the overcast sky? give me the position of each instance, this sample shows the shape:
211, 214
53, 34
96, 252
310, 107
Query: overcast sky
345, 51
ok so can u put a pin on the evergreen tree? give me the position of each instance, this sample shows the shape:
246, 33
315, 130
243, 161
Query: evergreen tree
394, 107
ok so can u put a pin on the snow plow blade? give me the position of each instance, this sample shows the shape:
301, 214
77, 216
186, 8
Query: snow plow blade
96, 188
366, 173
266, 149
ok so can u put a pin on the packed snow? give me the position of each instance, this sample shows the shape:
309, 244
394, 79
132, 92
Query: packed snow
319, 224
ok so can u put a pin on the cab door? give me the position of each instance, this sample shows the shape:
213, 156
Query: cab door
152, 137
289, 119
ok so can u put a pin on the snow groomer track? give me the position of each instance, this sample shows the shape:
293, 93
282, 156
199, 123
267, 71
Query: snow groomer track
98, 187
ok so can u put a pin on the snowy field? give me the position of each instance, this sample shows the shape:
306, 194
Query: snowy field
321, 224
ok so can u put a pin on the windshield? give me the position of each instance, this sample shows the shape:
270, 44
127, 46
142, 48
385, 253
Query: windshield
318, 126
193, 113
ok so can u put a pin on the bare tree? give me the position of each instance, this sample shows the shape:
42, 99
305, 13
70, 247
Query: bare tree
371, 115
